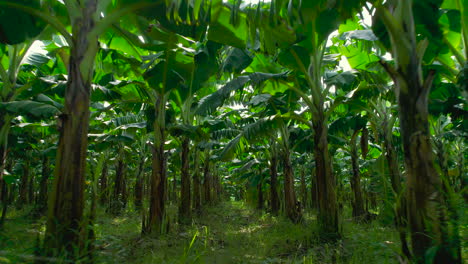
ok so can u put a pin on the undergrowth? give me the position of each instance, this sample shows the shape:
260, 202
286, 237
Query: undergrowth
230, 232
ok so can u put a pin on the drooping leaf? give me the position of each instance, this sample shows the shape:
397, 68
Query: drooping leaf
37, 109
221, 29
365, 34
16, 25
259, 99
209, 103
237, 60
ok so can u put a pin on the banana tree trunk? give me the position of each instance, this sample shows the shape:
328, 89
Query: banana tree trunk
4, 200
155, 221
313, 190
6, 195
293, 211
303, 189
139, 185
215, 186
207, 179
41, 203
173, 191
4, 128
184, 209
274, 198
359, 212
395, 179
196, 183
327, 217
448, 192
64, 223
23, 186
426, 212
104, 192
117, 202
426, 204
3, 152
31, 188
392, 160
260, 201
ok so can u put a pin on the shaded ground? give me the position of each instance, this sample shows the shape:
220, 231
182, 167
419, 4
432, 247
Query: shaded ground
227, 233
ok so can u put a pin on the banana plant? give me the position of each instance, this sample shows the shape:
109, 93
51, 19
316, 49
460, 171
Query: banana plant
12, 57
21, 94
352, 126
273, 123
374, 97
205, 63
177, 68
87, 21
304, 53
411, 49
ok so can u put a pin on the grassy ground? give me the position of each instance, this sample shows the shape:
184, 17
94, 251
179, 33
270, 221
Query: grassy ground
227, 233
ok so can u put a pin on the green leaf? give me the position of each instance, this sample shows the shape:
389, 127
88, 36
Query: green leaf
327, 22
259, 99
346, 125
287, 58
209, 103
47, 100
260, 77
343, 80
9, 179
222, 31
133, 125
37, 109
101, 93
130, 90
366, 34
17, 26
237, 60
358, 57
35, 58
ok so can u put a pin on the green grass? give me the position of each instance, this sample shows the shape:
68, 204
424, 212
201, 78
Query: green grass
230, 232
18, 237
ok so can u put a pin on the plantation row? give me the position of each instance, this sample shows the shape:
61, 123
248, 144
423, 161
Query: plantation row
292, 106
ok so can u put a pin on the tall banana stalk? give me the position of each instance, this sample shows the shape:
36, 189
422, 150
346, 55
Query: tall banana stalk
427, 214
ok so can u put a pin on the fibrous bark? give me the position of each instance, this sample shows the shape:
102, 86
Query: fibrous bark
327, 217
293, 211
359, 212
303, 189
184, 208
207, 179
64, 223
274, 183
260, 195
104, 191
426, 203
155, 221
4, 200
395, 179
118, 196
23, 186
43, 186
139, 185
196, 183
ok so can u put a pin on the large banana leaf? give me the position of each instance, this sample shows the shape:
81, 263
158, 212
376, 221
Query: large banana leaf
16, 25
211, 102
36, 109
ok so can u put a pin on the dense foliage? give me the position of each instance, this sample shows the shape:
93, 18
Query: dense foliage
324, 112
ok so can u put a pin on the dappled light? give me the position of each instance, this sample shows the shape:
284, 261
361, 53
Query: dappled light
233, 131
